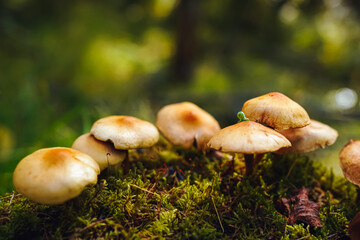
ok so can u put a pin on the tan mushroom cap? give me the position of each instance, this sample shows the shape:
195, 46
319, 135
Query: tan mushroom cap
309, 138
350, 161
54, 175
276, 110
248, 137
183, 123
103, 153
125, 132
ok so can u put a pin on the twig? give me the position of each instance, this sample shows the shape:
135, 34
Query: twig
143, 189
222, 228
291, 168
93, 224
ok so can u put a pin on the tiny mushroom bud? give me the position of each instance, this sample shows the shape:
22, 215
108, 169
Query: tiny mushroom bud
350, 161
184, 124
103, 153
249, 138
277, 111
54, 175
308, 138
125, 132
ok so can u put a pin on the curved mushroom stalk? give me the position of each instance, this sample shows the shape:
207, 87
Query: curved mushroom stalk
102, 152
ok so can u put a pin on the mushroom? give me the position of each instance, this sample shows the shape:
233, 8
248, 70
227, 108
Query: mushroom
185, 124
103, 153
248, 138
308, 138
350, 161
125, 132
277, 111
54, 175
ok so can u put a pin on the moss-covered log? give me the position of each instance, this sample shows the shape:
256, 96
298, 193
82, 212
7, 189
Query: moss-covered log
170, 193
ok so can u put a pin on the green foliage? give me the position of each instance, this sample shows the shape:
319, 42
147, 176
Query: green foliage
171, 193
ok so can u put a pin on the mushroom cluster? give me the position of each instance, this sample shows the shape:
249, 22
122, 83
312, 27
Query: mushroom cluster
276, 124
56, 175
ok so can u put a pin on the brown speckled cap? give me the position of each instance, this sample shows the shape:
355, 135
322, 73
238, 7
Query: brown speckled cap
309, 138
248, 137
103, 153
125, 132
277, 111
350, 161
183, 123
54, 175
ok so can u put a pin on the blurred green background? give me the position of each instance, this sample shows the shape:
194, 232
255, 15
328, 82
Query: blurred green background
64, 64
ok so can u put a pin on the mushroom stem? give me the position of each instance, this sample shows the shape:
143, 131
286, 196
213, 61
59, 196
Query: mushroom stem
249, 163
126, 163
357, 200
258, 158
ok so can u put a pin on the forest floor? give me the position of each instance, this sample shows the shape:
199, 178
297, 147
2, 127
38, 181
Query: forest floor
172, 193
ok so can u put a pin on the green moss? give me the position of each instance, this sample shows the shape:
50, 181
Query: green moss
170, 193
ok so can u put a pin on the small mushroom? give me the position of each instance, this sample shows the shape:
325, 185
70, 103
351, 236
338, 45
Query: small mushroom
277, 111
350, 161
184, 124
103, 153
54, 175
249, 138
125, 132
308, 138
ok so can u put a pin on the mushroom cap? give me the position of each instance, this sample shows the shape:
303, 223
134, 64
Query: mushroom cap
183, 123
350, 161
276, 110
103, 153
248, 137
309, 138
125, 132
54, 175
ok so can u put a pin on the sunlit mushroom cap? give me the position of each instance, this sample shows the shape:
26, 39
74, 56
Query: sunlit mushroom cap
103, 153
309, 138
276, 110
350, 161
183, 123
54, 175
248, 137
125, 132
